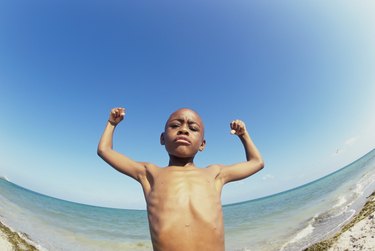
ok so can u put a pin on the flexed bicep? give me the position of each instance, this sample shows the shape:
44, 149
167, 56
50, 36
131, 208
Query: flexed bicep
123, 163
254, 161
239, 171
105, 150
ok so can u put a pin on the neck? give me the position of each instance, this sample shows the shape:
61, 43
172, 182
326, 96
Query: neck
177, 161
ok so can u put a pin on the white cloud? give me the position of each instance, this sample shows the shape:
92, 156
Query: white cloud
268, 177
347, 143
350, 141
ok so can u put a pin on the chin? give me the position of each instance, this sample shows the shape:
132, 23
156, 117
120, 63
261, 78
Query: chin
183, 154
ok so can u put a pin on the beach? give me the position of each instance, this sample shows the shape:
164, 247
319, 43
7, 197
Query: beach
13, 241
332, 208
358, 234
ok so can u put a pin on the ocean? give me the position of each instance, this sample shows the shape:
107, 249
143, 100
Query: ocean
290, 220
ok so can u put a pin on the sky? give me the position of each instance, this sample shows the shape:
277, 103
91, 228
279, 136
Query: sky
300, 74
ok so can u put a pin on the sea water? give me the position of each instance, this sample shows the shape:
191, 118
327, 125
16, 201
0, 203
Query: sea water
291, 220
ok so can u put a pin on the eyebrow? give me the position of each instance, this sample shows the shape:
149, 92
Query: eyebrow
190, 122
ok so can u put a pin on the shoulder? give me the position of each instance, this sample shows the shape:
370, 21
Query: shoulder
148, 175
216, 168
216, 173
147, 169
150, 167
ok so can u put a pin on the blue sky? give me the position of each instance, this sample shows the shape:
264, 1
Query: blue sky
300, 74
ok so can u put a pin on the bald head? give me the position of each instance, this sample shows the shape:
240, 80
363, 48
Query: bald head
186, 114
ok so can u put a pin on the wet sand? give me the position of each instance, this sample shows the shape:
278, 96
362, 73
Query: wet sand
10, 240
358, 234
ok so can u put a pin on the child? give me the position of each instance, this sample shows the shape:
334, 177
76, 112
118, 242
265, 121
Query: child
183, 201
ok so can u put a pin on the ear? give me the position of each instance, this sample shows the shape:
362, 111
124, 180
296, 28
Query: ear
162, 141
202, 146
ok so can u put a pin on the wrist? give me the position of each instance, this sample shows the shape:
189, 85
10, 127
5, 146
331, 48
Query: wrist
244, 135
112, 122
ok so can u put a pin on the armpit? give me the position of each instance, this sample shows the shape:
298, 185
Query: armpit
217, 172
147, 176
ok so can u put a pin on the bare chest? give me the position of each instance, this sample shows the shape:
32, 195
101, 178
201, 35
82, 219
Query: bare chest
193, 194
184, 187
184, 207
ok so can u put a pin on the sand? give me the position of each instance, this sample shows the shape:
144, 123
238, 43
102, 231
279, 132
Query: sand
358, 234
5, 245
12, 241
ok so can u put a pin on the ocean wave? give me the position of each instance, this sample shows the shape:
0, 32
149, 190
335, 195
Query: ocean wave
341, 200
318, 227
366, 180
308, 230
4, 178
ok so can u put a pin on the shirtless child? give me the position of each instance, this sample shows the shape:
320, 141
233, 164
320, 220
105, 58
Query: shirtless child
183, 201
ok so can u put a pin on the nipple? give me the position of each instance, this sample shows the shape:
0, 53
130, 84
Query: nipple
187, 225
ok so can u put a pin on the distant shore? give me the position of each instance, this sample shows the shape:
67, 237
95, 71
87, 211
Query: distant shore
358, 234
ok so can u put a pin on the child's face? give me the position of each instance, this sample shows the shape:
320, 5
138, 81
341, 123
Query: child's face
184, 134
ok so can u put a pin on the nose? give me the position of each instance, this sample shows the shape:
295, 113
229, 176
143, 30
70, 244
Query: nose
183, 131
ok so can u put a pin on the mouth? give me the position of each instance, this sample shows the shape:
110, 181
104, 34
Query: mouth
182, 140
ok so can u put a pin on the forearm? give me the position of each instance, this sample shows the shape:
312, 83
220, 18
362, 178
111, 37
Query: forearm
245, 169
106, 141
252, 153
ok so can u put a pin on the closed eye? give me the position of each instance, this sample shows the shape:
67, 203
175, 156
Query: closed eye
194, 129
174, 125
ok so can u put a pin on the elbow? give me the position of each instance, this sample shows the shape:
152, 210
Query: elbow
257, 162
261, 164
100, 151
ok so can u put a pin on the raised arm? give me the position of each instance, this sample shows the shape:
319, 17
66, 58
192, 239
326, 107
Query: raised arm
254, 161
116, 160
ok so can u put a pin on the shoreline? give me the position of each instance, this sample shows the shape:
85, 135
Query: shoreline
358, 234
11, 240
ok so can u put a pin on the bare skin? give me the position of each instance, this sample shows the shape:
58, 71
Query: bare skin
183, 201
